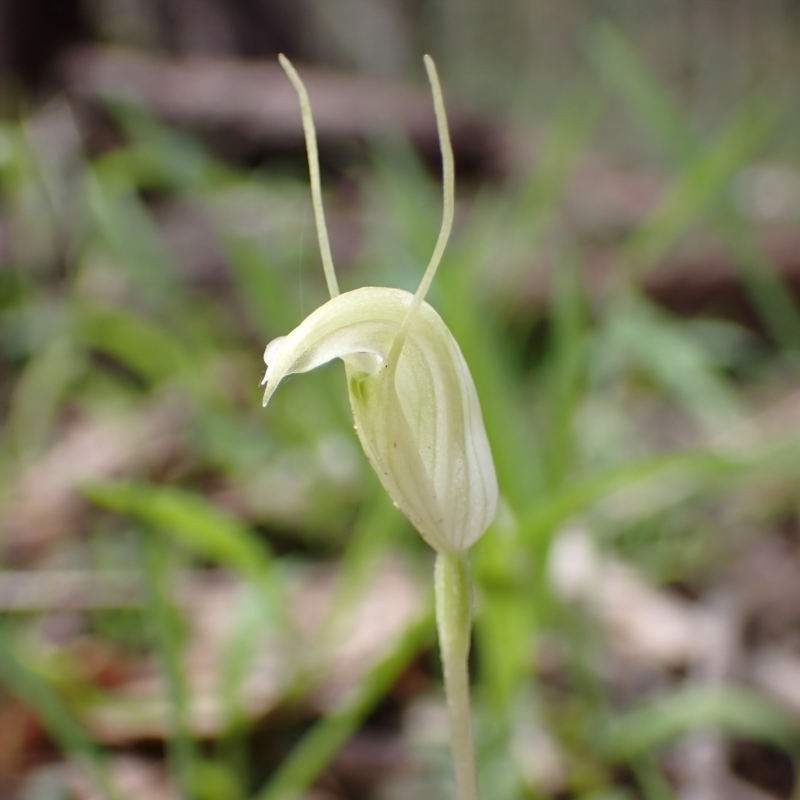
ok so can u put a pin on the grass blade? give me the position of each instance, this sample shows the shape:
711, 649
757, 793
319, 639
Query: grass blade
732, 711
51, 712
200, 526
321, 743
619, 66
181, 751
701, 186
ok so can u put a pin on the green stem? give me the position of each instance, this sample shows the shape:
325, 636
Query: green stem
454, 620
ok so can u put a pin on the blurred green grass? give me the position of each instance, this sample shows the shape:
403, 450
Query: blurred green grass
96, 319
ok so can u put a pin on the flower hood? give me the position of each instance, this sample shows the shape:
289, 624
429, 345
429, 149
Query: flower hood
415, 407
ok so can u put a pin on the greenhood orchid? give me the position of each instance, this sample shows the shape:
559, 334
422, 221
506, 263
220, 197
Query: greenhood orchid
417, 415
414, 401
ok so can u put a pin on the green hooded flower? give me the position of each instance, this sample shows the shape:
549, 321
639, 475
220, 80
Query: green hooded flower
414, 401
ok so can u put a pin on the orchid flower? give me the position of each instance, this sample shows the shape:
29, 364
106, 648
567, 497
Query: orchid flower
416, 414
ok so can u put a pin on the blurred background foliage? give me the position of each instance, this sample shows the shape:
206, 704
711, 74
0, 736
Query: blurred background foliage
203, 599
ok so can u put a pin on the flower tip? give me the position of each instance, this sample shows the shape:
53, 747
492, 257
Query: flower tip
271, 350
269, 390
270, 354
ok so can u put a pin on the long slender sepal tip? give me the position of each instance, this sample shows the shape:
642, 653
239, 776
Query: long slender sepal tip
313, 171
448, 180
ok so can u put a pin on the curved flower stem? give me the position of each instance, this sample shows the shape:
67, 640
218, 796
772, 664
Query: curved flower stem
454, 621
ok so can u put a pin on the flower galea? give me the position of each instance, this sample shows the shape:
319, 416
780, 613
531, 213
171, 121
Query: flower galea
414, 402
